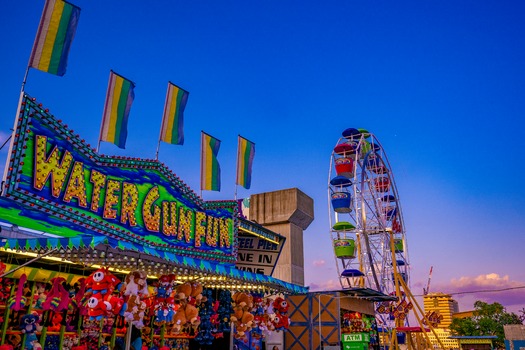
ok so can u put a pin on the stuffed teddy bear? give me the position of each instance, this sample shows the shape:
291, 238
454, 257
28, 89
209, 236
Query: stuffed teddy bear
243, 324
243, 300
237, 314
179, 321
196, 297
192, 315
183, 291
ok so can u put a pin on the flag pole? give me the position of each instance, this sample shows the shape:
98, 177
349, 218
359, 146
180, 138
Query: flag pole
22, 92
162, 124
104, 111
237, 167
157, 151
202, 164
100, 135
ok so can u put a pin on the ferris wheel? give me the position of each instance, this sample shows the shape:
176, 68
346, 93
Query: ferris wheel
366, 221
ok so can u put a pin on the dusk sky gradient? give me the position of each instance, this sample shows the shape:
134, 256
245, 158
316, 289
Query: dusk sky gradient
440, 83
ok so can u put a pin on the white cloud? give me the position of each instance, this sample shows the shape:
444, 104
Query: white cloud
318, 263
325, 286
488, 288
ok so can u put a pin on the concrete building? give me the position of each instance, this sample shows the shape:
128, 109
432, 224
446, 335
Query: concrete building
286, 212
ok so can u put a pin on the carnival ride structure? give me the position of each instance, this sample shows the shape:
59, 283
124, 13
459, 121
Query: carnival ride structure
367, 227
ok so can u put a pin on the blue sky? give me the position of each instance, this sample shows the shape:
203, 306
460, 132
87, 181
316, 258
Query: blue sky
440, 83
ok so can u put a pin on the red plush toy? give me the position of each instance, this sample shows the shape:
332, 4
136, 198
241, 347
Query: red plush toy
55, 322
97, 308
101, 281
114, 304
280, 306
281, 322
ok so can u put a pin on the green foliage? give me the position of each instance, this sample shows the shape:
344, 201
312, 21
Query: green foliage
488, 319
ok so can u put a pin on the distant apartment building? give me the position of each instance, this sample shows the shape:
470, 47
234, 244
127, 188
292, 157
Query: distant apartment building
443, 305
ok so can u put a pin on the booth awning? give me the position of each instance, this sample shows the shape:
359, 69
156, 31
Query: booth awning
368, 294
90, 250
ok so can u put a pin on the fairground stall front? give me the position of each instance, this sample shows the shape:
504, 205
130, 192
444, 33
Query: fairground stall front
112, 252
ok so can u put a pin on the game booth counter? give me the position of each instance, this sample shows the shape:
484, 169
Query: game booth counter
101, 252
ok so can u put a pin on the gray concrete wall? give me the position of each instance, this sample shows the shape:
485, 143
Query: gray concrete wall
287, 212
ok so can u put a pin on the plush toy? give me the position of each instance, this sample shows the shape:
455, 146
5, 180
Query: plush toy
18, 301
280, 305
135, 311
281, 322
183, 291
146, 335
14, 339
40, 295
136, 284
114, 304
195, 297
164, 287
29, 325
243, 300
102, 281
97, 307
56, 322
179, 321
258, 305
237, 314
58, 297
244, 324
192, 315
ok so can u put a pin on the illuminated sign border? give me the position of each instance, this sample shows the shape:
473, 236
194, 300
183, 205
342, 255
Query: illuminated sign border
33, 116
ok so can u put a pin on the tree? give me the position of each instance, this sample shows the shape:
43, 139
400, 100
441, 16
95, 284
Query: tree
487, 319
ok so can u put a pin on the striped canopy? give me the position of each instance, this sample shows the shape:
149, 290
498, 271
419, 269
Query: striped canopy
89, 243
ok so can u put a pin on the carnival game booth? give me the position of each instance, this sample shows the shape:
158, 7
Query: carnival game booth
97, 251
335, 319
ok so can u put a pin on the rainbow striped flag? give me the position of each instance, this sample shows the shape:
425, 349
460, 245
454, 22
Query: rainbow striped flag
119, 98
210, 168
56, 31
245, 154
173, 119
